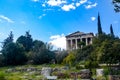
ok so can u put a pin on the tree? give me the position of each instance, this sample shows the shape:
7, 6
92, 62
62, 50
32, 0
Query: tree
9, 39
26, 41
116, 4
60, 55
14, 54
41, 54
1, 60
99, 25
111, 31
84, 53
70, 59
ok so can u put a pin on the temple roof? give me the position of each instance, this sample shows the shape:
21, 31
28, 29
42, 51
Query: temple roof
78, 33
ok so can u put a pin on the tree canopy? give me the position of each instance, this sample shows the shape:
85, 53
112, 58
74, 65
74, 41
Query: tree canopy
116, 4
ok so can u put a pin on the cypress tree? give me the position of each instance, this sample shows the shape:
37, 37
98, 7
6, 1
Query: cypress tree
111, 30
99, 25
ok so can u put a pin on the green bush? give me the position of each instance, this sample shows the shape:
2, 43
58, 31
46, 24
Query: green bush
106, 71
91, 64
78, 67
101, 78
2, 76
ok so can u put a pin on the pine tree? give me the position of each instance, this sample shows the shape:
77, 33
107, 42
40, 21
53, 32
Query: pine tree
111, 30
99, 25
9, 39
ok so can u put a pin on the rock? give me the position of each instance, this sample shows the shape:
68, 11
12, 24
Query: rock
46, 71
51, 77
85, 74
114, 77
99, 72
65, 68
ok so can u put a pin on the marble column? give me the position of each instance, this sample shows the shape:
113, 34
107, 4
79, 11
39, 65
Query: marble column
71, 45
67, 44
76, 44
81, 41
86, 41
91, 40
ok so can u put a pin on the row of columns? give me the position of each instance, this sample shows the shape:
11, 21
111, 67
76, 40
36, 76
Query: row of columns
73, 43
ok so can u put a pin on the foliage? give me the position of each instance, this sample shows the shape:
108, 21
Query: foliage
79, 67
81, 44
70, 59
2, 76
116, 4
101, 78
1, 60
84, 53
60, 55
26, 41
99, 25
111, 31
91, 64
41, 53
9, 39
13, 54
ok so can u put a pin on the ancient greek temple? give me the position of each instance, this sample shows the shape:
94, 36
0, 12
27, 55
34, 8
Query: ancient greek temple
73, 39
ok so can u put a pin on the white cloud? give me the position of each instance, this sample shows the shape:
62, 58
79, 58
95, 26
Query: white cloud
43, 5
6, 18
68, 7
91, 6
35, 0
40, 17
83, 1
56, 2
59, 41
77, 4
93, 18
80, 2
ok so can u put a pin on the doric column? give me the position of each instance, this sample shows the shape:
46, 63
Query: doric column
91, 40
71, 44
81, 41
86, 41
67, 45
76, 44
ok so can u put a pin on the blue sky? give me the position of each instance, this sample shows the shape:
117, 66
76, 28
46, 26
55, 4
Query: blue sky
51, 20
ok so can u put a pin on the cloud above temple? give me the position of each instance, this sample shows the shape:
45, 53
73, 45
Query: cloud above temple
66, 5
90, 5
58, 41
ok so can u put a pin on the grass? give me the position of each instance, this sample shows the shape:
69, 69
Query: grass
26, 75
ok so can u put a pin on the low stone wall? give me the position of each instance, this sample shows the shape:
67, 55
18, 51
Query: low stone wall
114, 77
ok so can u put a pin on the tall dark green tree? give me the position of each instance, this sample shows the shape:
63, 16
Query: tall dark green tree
41, 53
99, 25
26, 41
9, 39
13, 54
111, 30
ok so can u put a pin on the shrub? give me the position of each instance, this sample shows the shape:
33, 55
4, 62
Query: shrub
78, 67
101, 78
2, 76
91, 64
106, 71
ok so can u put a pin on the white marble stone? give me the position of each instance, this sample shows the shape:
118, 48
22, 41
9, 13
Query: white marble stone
46, 71
51, 77
99, 72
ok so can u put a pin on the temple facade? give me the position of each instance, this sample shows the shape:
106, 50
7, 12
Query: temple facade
73, 40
